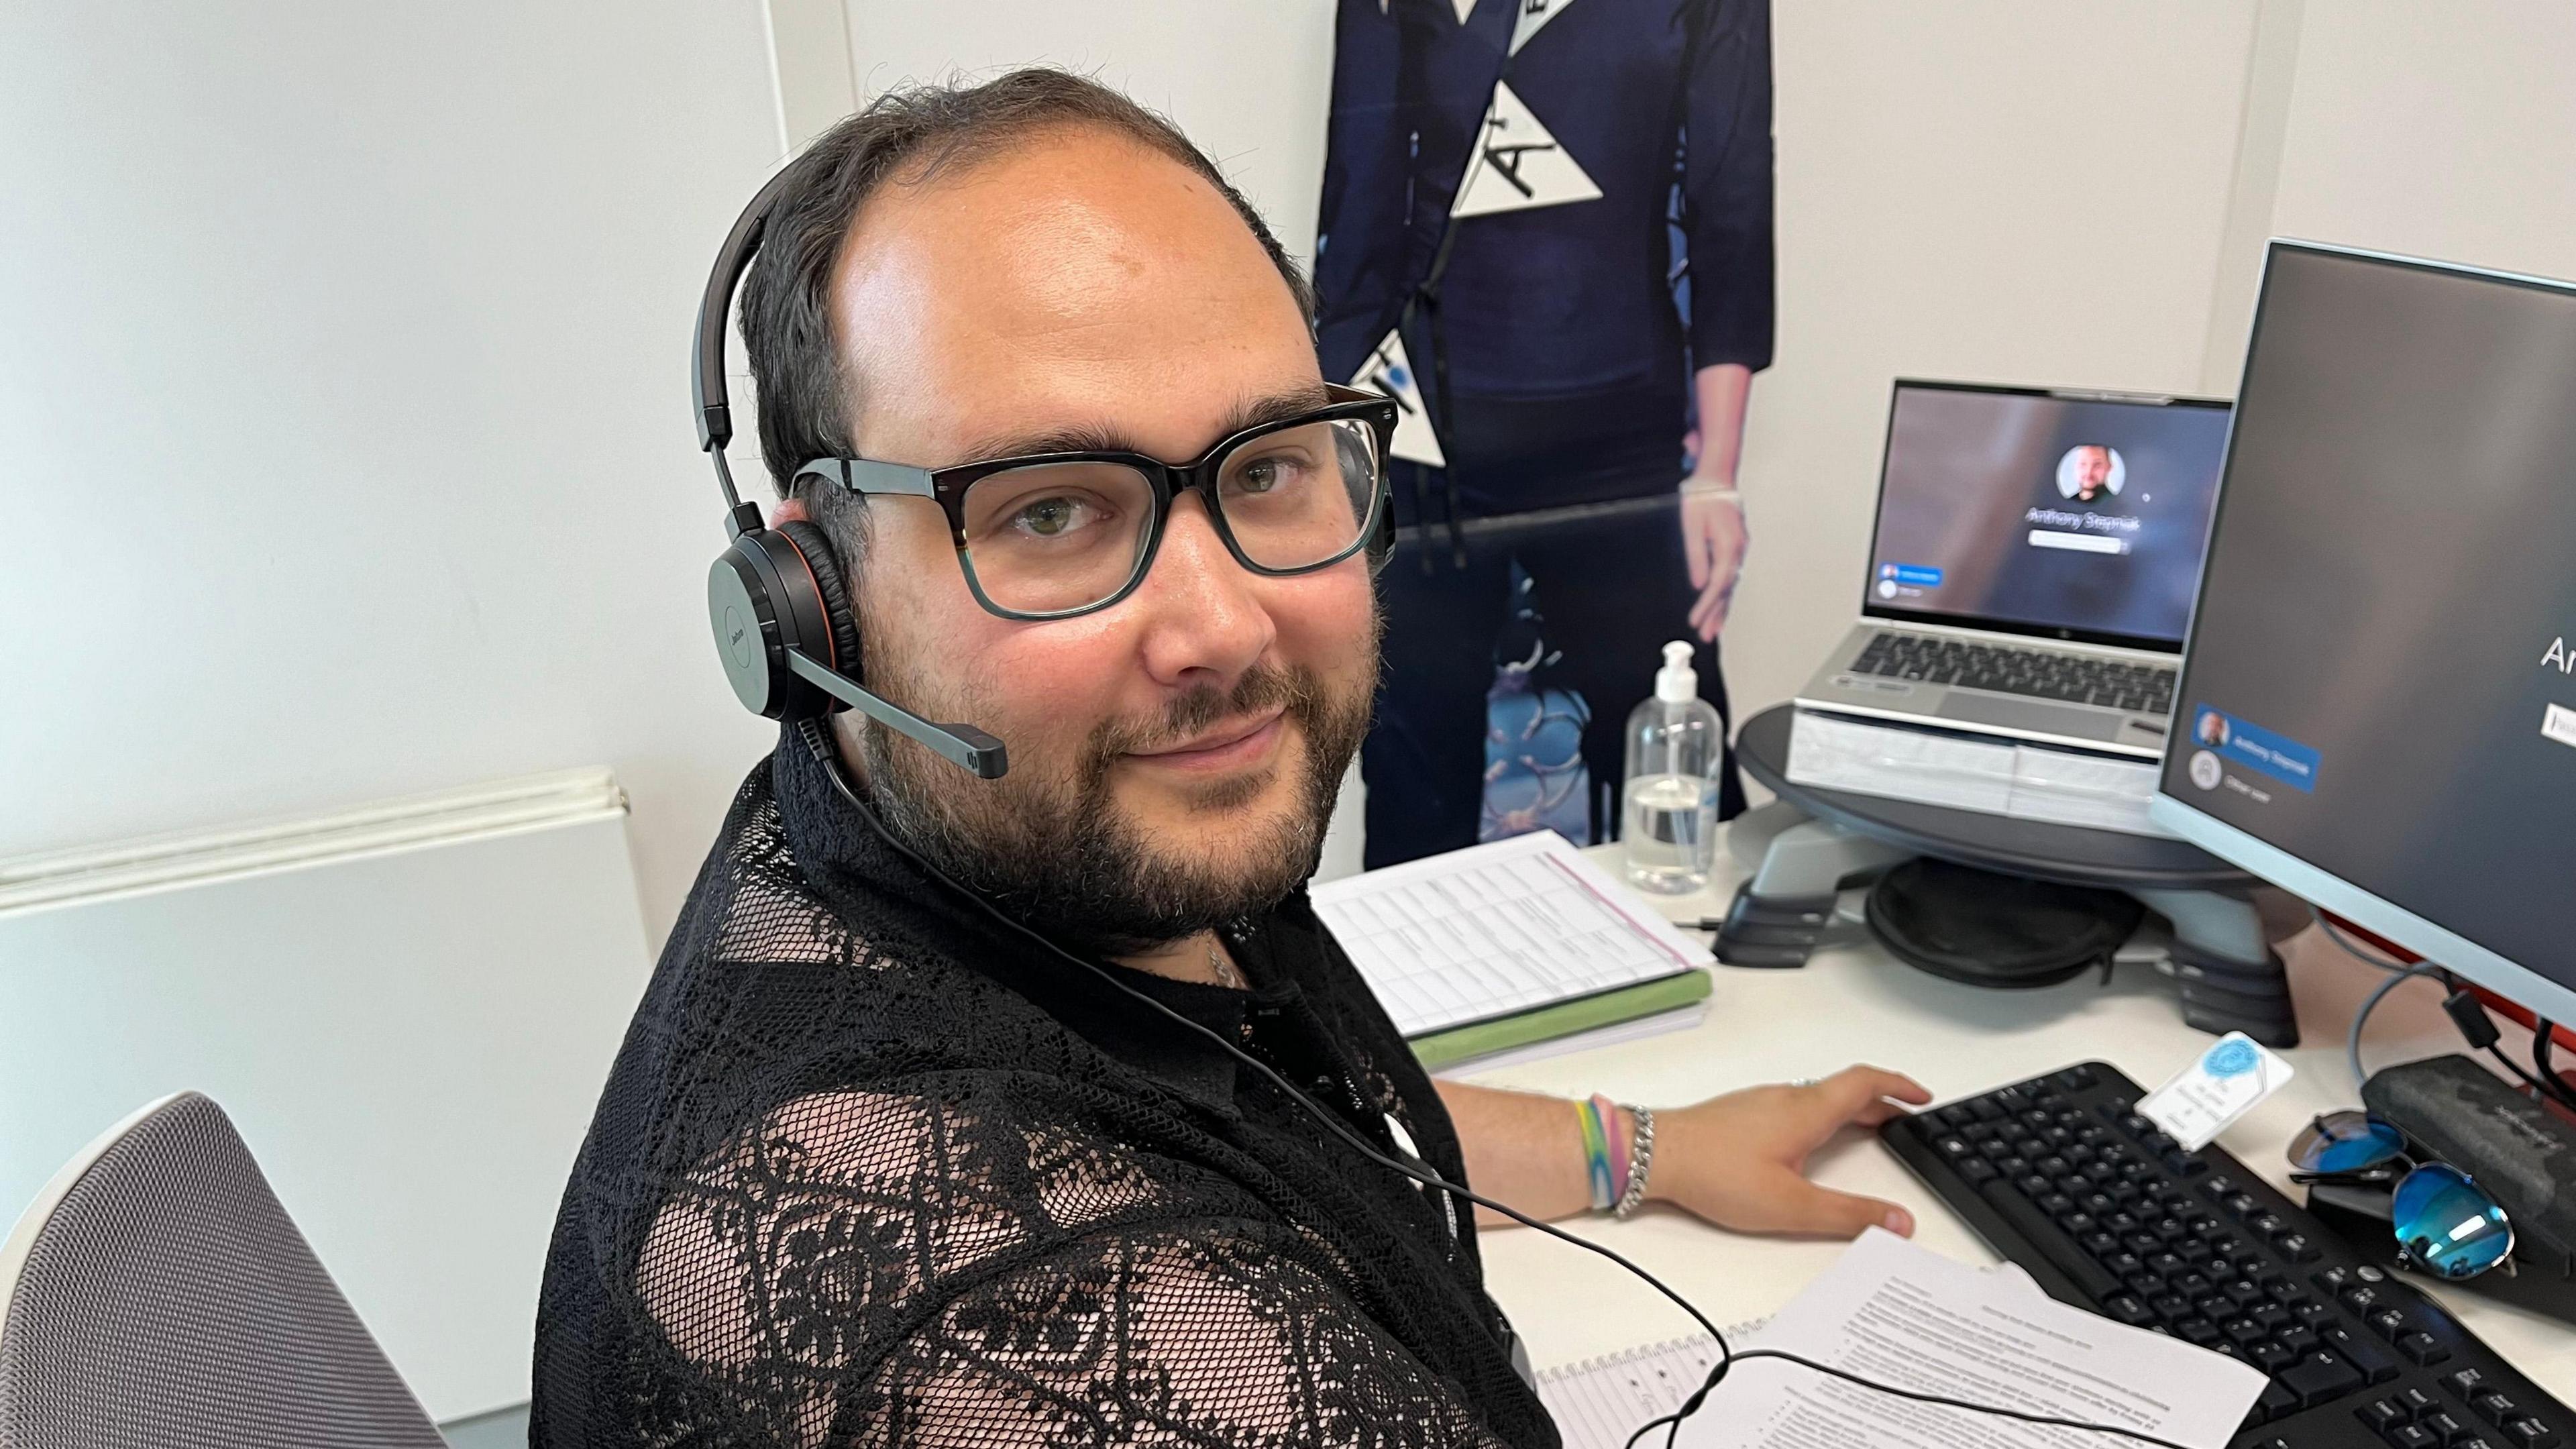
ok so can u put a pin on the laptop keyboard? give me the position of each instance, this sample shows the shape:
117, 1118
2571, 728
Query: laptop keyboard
2037, 673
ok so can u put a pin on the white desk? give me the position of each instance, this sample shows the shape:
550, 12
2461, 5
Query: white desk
1859, 1004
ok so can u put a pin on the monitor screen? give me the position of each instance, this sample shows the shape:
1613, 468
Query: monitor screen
2063, 515
2378, 709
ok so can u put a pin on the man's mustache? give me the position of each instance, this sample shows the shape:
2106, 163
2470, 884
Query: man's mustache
1261, 689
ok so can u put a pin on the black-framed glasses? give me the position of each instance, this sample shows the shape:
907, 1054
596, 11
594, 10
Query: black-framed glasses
1053, 535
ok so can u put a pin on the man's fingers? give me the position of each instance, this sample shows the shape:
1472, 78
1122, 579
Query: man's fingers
1803, 1207
1854, 1089
1878, 1111
1695, 547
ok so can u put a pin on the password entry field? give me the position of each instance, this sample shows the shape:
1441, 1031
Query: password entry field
2558, 722
2077, 542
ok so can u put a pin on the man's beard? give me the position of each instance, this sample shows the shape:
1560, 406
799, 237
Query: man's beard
1059, 855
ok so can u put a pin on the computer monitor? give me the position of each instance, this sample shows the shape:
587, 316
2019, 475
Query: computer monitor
2063, 514
2377, 707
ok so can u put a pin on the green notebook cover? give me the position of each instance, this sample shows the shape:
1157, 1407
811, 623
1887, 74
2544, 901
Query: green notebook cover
1665, 993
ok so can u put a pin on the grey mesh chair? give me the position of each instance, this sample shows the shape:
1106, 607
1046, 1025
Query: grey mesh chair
157, 1294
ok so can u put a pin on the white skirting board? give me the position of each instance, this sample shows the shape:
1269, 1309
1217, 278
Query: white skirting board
408, 1009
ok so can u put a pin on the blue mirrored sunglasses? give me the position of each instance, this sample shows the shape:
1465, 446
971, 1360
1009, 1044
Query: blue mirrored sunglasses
2445, 1223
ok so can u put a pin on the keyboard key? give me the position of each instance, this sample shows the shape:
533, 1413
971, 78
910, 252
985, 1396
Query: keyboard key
2375, 1362
2380, 1415
2465, 1382
2494, 1407
2412, 1436
2320, 1377
2530, 1434
2387, 1323
2416, 1402
2275, 1401
2444, 1428
2422, 1347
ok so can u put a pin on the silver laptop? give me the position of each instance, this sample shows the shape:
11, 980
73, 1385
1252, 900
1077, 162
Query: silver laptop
2033, 569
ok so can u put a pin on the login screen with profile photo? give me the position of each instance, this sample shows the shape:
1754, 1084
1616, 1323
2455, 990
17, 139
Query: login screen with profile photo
2046, 512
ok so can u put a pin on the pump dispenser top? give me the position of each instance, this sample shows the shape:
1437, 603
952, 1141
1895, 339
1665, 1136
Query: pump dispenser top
1676, 681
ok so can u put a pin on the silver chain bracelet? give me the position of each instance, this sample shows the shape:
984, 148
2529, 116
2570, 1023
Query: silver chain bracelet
1641, 1157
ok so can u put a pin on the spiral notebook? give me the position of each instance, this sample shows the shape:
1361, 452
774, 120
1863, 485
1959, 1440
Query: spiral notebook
1601, 1401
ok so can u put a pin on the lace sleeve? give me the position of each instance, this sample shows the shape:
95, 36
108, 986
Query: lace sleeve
877, 1268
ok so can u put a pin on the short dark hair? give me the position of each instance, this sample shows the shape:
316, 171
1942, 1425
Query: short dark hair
786, 299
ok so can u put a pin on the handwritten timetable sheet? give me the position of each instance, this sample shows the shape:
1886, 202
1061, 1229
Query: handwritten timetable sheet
1498, 929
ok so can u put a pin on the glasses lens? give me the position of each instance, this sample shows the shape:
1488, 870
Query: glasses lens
1301, 496
2345, 1142
2447, 1223
1056, 536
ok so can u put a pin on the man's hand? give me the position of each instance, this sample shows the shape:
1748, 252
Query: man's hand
1740, 1160
1713, 538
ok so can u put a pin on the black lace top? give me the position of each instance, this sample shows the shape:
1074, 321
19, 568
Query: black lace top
870, 1170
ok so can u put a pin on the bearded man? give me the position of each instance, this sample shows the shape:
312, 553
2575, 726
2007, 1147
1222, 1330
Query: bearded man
917, 1137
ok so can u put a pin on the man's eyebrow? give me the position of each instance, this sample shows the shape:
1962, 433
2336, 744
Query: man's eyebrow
1107, 438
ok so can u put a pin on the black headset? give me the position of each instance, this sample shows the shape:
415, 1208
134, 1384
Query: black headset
778, 599
778, 595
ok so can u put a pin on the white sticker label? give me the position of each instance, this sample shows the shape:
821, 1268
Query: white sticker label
2221, 1085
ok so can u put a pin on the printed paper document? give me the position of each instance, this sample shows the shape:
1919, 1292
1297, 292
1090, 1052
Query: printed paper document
1906, 1316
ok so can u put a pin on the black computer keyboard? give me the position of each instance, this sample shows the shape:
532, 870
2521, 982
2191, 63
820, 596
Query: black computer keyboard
2039, 673
2062, 1176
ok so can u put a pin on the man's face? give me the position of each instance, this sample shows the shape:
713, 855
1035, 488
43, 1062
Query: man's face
1174, 756
2092, 469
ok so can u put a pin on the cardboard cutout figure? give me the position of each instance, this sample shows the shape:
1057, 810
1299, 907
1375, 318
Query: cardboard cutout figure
1547, 232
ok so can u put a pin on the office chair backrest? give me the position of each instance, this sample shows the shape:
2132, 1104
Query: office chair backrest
156, 1293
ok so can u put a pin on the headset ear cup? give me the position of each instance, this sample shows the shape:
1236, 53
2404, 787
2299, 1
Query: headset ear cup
1381, 544
831, 586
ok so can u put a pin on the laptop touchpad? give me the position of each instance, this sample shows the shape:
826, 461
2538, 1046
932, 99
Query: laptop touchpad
2032, 715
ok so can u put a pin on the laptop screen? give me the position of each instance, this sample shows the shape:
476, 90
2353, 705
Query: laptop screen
2071, 516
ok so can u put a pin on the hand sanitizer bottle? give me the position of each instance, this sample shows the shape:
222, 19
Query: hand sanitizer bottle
1675, 745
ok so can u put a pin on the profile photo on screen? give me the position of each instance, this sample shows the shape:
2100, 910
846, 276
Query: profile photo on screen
2211, 730
2090, 472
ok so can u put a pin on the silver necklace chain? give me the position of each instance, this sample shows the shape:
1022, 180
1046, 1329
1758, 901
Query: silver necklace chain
1226, 975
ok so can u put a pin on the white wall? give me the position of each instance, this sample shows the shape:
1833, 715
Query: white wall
2444, 131
1249, 80
348, 451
